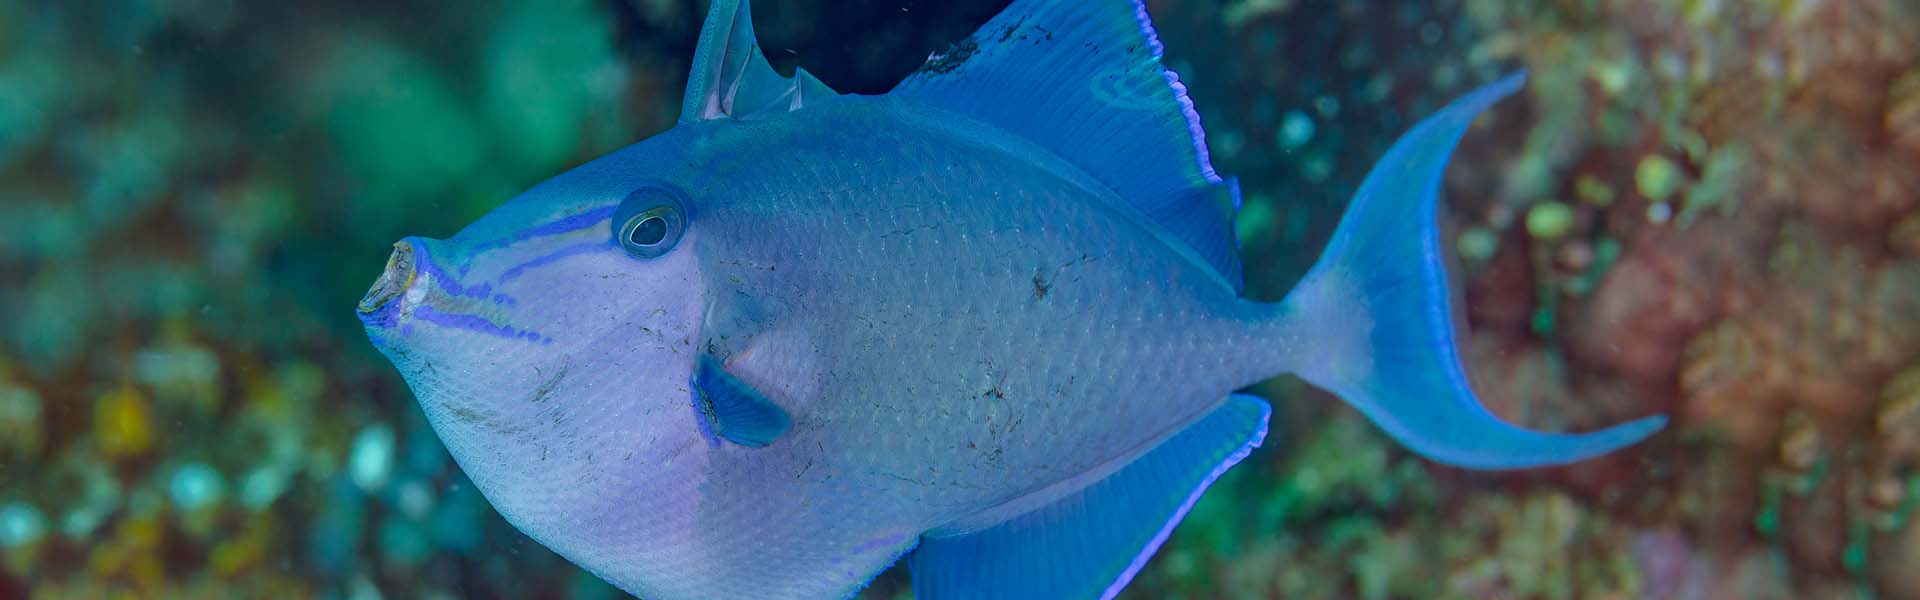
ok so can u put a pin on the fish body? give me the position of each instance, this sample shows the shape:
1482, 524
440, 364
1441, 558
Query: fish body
990, 322
1036, 313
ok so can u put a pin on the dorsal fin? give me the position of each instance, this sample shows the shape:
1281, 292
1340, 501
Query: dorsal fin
1083, 79
731, 78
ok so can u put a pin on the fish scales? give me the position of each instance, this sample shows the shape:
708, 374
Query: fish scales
1048, 269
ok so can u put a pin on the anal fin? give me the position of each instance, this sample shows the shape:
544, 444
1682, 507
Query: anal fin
1090, 543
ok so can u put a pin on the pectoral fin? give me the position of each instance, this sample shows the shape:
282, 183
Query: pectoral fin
734, 411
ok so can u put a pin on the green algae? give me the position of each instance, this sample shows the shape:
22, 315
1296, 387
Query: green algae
1549, 220
1656, 177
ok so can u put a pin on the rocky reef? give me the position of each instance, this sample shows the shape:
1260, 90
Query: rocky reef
1702, 208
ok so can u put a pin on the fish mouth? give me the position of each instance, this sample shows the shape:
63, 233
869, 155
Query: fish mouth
413, 289
393, 281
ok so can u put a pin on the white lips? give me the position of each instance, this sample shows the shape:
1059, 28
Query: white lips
416, 292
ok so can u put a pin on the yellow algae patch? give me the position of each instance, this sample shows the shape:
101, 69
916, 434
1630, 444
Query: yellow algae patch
123, 423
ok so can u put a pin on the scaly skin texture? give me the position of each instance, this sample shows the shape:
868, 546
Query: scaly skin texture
953, 323
961, 325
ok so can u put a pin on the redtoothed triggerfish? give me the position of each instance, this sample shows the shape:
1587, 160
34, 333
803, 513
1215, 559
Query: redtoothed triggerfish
990, 321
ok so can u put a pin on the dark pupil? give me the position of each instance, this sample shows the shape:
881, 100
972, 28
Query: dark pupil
648, 232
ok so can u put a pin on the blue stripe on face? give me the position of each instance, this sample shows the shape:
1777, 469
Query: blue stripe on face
383, 318
567, 224
476, 324
452, 286
563, 252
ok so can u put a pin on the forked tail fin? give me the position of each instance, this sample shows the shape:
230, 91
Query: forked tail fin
1375, 316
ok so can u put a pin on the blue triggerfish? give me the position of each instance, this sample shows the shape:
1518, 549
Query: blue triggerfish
989, 322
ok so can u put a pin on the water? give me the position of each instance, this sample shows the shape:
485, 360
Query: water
1707, 209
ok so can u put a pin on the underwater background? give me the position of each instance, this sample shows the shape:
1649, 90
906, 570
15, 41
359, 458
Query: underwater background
1707, 208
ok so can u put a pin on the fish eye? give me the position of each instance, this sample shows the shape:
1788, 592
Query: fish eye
650, 232
653, 223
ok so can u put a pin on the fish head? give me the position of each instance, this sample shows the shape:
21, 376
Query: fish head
551, 344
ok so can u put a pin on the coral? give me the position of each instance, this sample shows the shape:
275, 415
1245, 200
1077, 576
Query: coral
123, 423
1898, 419
1903, 112
22, 430
1905, 237
1753, 164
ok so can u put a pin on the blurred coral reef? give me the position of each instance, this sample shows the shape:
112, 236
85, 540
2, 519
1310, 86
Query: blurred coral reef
1706, 208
